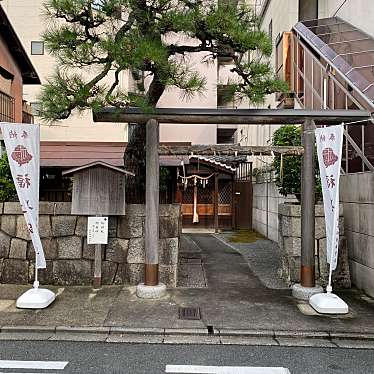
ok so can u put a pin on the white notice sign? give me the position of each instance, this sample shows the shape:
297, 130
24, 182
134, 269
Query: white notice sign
97, 230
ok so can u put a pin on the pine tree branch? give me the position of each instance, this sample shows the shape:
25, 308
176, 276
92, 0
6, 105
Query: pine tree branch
182, 49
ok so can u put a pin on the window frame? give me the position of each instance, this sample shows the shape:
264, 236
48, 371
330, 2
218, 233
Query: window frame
31, 47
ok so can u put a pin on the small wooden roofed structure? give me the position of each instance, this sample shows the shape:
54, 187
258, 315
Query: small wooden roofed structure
98, 189
56, 156
97, 163
231, 116
205, 190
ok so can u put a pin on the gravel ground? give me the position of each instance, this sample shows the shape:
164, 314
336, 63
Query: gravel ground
263, 257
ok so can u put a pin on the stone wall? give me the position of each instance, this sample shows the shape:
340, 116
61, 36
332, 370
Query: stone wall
69, 258
357, 196
266, 199
290, 247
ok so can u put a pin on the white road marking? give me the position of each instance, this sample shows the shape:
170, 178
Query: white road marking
196, 369
60, 291
5, 304
43, 365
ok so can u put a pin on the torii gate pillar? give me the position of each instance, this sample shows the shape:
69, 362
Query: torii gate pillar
151, 288
307, 286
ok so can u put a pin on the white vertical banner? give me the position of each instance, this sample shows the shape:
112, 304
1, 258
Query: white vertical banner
329, 149
22, 142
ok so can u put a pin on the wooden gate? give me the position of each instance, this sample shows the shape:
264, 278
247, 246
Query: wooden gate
205, 205
243, 204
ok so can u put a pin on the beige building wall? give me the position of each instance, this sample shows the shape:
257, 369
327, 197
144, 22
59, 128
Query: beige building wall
29, 23
280, 16
174, 98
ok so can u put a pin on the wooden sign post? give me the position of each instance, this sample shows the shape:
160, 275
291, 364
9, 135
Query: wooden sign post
97, 234
98, 189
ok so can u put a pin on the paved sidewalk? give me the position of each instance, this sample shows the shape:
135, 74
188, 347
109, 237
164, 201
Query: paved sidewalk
236, 308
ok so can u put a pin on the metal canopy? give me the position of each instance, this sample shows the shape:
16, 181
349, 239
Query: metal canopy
346, 48
229, 116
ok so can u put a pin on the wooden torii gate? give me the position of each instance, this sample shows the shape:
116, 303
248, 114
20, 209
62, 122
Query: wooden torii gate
308, 118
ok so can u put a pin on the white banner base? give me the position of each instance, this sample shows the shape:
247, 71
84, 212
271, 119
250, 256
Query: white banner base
328, 303
36, 298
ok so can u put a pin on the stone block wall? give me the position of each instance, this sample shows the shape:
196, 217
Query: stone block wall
70, 259
290, 247
357, 197
266, 199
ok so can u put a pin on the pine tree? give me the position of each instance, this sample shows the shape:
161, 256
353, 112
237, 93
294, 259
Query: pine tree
93, 39
96, 39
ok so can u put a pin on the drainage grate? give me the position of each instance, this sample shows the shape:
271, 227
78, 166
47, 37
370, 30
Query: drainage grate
210, 330
189, 313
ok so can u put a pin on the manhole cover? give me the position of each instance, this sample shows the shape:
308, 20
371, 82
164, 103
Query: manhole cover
189, 313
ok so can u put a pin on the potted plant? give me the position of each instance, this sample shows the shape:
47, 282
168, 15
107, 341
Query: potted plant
7, 188
288, 168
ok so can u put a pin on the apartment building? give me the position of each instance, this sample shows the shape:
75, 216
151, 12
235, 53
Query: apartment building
29, 22
343, 28
15, 70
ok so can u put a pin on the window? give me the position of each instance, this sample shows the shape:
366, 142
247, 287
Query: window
225, 136
225, 97
35, 108
271, 30
2, 147
37, 48
7, 108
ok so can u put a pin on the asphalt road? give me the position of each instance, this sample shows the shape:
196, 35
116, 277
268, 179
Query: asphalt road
92, 357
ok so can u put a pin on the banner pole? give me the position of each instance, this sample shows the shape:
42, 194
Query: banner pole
22, 142
329, 286
329, 148
36, 282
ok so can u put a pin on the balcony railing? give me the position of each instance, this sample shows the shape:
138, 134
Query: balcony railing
7, 111
27, 116
316, 85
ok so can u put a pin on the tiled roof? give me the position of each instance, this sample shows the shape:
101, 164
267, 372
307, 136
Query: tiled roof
73, 154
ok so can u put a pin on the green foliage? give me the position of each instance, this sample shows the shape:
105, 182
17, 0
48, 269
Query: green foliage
94, 43
165, 178
7, 188
288, 175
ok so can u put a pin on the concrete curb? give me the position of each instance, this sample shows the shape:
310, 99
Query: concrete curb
118, 334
